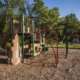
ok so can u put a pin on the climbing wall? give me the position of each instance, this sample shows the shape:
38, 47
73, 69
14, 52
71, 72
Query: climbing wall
15, 51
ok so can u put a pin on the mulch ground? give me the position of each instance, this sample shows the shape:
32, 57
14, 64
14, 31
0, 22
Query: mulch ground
43, 67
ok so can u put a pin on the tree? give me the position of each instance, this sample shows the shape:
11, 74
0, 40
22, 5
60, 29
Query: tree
38, 7
8, 14
72, 25
1, 18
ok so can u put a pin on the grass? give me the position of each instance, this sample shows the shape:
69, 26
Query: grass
63, 45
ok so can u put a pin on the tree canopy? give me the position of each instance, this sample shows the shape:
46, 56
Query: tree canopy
45, 17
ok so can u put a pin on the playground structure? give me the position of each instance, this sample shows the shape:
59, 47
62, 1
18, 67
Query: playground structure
28, 40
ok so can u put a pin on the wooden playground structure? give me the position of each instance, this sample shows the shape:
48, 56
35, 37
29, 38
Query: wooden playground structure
28, 40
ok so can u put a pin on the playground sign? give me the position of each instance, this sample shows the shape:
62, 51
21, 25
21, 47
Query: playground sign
3, 8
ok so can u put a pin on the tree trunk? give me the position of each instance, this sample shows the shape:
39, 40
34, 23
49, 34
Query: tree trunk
4, 40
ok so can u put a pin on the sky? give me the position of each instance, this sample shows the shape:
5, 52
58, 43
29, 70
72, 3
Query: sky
65, 6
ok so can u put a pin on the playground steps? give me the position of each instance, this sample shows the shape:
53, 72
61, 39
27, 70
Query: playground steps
2, 50
3, 56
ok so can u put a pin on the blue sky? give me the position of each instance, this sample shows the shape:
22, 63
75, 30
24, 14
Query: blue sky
65, 6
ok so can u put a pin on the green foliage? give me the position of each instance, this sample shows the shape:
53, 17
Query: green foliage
45, 17
7, 15
1, 4
14, 3
38, 7
72, 25
11, 5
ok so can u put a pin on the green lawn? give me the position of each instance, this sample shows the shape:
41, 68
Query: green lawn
64, 45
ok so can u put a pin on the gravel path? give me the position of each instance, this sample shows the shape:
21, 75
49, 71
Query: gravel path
43, 67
